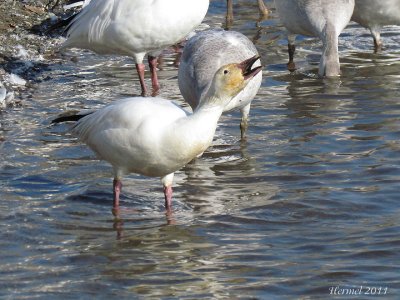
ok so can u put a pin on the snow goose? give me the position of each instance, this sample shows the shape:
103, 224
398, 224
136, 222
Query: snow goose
374, 14
155, 137
203, 55
135, 28
320, 18
229, 10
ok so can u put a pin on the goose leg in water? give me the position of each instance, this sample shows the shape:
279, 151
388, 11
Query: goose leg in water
117, 186
376, 34
229, 13
291, 65
291, 49
244, 122
168, 197
140, 70
167, 184
153, 70
262, 8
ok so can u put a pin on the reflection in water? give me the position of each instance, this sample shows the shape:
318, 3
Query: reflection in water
308, 201
224, 179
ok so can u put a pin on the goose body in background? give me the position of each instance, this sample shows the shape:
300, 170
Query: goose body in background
135, 28
203, 55
325, 19
374, 14
155, 137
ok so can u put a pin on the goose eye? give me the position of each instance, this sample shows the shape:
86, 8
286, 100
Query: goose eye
226, 71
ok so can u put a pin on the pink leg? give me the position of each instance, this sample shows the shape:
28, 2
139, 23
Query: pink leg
140, 70
117, 186
118, 225
168, 197
153, 71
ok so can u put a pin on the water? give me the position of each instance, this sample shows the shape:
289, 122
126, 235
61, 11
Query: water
308, 203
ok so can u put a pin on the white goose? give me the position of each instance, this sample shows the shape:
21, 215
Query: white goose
135, 28
320, 18
155, 137
374, 14
203, 55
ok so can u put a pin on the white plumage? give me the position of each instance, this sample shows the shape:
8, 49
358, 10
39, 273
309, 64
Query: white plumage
325, 19
135, 28
155, 137
203, 55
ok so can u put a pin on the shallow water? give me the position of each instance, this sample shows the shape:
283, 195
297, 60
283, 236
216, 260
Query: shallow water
308, 203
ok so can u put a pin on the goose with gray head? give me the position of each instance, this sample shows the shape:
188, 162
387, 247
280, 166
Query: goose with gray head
203, 55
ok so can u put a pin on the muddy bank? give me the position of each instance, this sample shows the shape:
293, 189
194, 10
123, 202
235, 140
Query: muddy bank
25, 46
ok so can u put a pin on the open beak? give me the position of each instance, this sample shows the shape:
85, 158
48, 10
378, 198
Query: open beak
246, 65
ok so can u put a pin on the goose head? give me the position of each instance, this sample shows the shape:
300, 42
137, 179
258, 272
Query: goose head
230, 79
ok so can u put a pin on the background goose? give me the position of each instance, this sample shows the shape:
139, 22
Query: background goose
203, 55
374, 14
155, 137
324, 19
135, 28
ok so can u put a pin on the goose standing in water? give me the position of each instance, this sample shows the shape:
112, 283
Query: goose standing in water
203, 55
135, 28
374, 14
155, 137
325, 19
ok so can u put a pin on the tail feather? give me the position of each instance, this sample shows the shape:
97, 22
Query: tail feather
64, 24
70, 118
